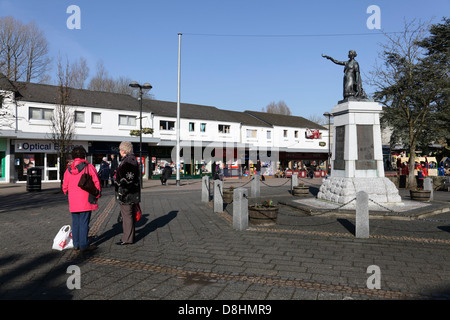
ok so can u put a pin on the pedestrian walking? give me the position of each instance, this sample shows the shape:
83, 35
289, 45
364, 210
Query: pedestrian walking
81, 203
166, 173
114, 165
103, 172
128, 191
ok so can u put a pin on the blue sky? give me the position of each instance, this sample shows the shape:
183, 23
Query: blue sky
226, 68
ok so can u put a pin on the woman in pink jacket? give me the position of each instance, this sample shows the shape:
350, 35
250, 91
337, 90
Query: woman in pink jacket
81, 203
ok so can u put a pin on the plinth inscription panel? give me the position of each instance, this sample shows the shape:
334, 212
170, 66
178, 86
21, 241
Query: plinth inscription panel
339, 163
366, 159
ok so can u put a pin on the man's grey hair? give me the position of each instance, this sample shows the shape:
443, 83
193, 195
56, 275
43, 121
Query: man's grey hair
126, 146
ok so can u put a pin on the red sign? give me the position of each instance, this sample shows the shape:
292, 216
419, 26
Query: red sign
312, 134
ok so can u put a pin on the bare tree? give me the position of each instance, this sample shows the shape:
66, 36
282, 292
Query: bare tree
36, 53
62, 122
277, 108
79, 73
23, 50
103, 82
12, 44
319, 119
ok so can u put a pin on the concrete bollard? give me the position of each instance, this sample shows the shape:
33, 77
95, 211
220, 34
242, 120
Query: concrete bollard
205, 189
428, 185
294, 182
218, 200
362, 215
240, 209
255, 186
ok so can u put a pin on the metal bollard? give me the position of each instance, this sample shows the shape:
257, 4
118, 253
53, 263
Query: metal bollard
240, 209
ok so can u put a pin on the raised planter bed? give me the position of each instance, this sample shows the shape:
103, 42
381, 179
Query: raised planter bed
420, 195
260, 215
300, 191
227, 195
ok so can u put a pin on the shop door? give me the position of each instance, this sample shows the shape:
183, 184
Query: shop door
51, 168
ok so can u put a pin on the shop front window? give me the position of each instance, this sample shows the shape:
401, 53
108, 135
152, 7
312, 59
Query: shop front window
25, 161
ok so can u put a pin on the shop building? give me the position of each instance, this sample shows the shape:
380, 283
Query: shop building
209, 135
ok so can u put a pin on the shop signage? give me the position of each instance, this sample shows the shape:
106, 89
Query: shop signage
36, 146
312, 134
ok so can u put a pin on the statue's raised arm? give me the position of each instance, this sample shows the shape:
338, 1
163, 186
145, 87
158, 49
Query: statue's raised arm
342, 63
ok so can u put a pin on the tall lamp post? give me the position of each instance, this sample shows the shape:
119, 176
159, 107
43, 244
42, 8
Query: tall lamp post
145, 86
328, 115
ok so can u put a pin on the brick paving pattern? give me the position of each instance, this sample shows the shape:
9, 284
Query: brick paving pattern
185, 251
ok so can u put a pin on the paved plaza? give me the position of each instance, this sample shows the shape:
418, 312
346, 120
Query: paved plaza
186, 251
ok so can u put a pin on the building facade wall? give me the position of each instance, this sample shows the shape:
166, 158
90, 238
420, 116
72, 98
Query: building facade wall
100, 130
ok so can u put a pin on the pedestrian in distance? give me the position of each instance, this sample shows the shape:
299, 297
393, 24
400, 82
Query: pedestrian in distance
166, 173
128, 191
310, 172
81, 203
114, 165
103, 172
420, 177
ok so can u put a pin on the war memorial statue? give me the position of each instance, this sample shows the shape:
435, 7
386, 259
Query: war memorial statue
357, 156
353, 89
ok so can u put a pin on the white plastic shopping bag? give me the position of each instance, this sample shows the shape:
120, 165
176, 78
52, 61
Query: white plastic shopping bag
63, 239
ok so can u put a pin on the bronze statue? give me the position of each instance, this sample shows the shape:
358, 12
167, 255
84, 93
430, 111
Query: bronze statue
352, 78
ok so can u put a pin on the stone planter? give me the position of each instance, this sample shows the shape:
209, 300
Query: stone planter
300, 191
263, 215
227, 195
420, 195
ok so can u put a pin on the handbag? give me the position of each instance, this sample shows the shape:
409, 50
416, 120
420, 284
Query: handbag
63, 239
87, 184
138, 215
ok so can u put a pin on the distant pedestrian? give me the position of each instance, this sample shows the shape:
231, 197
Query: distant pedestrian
128, 190
258, 168
114, 165
81, 203
166, 173
311, 172
103, 172
420, 177
218, 173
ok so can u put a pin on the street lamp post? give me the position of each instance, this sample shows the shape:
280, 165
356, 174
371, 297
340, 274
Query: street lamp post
145, 86
328, 115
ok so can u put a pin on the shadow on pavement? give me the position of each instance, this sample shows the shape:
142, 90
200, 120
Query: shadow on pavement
17, 283
140, 233
155, 224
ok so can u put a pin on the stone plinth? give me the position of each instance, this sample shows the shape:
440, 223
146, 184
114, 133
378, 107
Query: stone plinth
357, 156
342, 190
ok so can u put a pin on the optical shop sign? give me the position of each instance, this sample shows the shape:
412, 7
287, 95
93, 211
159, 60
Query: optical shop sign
35, 146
